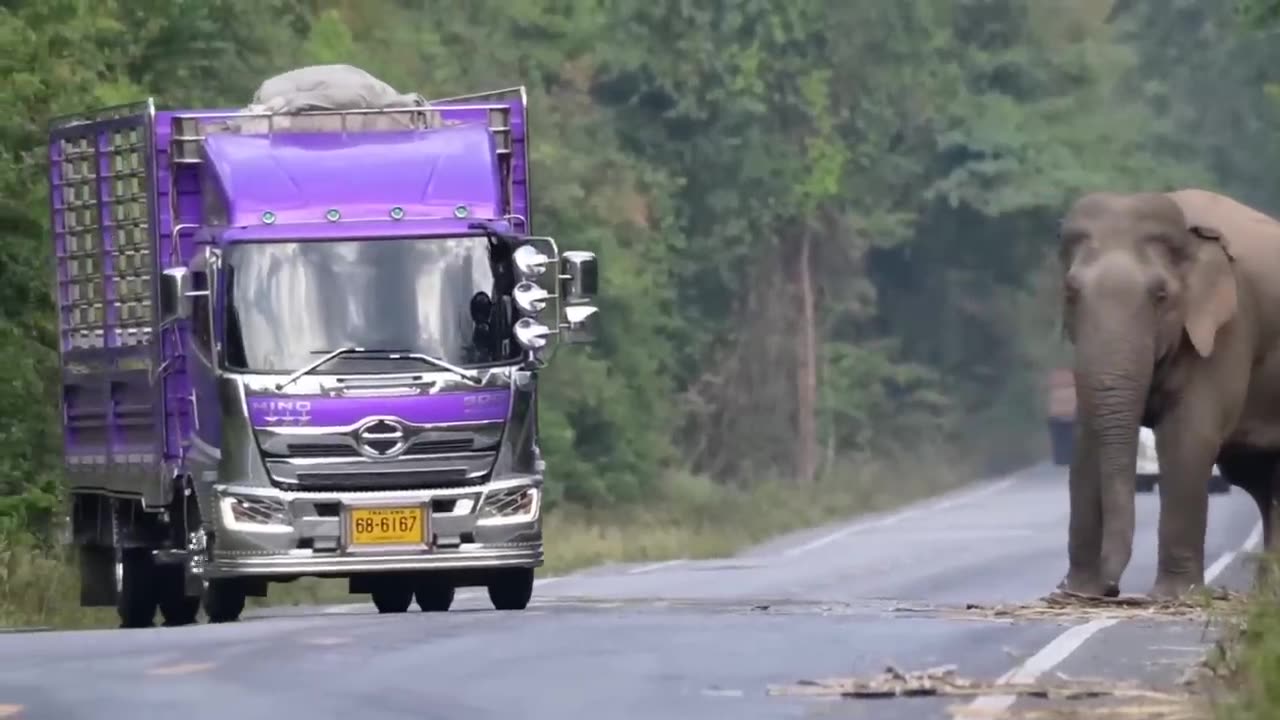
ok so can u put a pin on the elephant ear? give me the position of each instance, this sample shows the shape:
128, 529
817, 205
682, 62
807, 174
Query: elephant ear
1211, 288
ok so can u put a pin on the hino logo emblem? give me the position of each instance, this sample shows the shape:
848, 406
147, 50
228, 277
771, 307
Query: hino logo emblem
288, 412
381, 438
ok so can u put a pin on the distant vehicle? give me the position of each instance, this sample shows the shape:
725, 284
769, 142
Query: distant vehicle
1149, 466
1061, 406
1061, 402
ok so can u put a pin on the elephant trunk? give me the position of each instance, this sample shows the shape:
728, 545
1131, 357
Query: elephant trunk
1111, 393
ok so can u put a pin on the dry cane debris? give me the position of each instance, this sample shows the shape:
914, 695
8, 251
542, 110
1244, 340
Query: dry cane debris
1109, 700
1062, 605
943, 681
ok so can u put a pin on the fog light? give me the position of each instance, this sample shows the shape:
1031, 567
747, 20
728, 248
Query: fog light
510, 505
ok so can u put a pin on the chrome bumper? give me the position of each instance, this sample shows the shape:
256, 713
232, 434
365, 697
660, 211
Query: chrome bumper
265, 531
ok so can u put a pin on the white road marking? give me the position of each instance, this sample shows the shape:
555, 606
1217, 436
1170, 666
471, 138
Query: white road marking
939, 504
1036, 665
655, 566
1061, 647
1255, 538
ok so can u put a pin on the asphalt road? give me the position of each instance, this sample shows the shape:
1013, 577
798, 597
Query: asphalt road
696, 639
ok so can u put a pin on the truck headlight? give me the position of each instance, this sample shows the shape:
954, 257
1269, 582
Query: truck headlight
530, 298
531, 334
530, 262
510, 505
255, 514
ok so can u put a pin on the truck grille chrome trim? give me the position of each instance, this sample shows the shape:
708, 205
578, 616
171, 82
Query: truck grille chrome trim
398, 480
342, 450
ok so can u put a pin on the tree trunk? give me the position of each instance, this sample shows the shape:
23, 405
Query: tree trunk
806, 369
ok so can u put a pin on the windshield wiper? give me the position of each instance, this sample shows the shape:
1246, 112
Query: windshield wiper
465, 374
468, 375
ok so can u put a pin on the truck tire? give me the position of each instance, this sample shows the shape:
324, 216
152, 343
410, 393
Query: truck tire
392, 595
1218, 485
223, 600
179, 611
176, 607
1145, 483
434, 595
136, 596
511, 589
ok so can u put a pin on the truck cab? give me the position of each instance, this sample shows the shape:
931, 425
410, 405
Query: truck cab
306, 345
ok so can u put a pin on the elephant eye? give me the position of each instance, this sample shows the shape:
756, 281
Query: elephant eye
1159, 291
1174, 246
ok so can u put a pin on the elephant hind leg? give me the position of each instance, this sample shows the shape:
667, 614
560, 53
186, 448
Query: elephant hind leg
1267, 496
1258, 474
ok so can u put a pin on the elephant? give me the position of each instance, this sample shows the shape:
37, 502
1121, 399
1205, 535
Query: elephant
1171, 303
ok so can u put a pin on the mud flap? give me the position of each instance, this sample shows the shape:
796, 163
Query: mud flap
97, 576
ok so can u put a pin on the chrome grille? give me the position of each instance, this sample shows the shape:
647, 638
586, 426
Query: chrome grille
335, 450
403, 480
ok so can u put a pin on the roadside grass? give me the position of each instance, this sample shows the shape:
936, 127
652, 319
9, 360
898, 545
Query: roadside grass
1249, 661
688, 517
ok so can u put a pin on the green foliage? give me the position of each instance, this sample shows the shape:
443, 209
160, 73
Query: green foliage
860, 196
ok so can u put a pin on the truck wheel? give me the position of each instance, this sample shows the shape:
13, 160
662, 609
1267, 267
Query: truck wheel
511, 589
223, 600
176, 607
392, 595
1145, 483
136, 596
434, 595
1218, 485
178, 611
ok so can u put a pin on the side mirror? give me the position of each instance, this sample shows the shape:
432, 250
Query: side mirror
175, 295
581, 275
582, 324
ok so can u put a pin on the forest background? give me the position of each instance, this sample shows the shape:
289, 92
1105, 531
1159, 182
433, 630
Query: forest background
826, 228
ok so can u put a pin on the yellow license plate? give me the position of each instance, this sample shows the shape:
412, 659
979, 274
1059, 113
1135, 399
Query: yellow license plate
387, 526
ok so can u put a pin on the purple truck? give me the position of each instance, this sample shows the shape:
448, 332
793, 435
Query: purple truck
305, 345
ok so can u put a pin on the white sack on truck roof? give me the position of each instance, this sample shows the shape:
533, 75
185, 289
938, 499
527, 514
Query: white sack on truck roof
331, 87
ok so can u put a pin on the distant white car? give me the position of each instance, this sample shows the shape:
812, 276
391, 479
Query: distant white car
1149, 466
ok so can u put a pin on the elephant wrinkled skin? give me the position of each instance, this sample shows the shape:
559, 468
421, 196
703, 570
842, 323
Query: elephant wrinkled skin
1172, 304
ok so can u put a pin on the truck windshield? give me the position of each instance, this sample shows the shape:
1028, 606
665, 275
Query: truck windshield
289, 303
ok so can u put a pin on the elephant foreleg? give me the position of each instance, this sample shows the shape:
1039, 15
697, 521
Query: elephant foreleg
1084, 527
